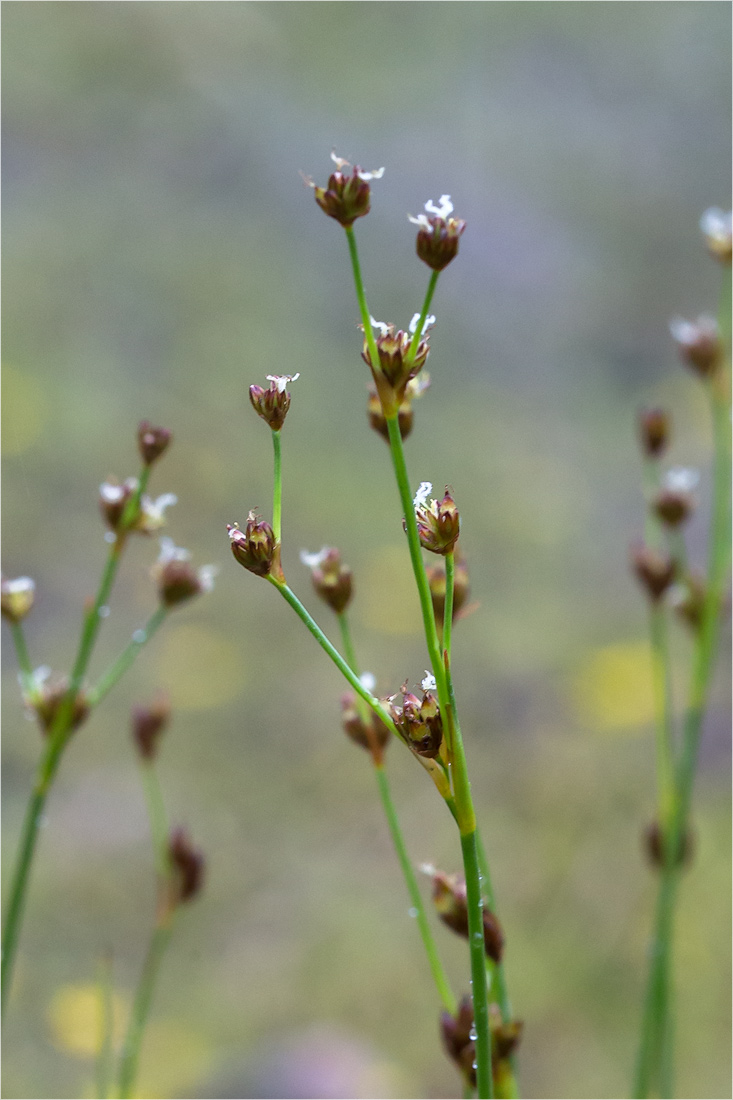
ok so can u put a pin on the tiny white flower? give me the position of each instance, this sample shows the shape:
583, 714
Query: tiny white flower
684, 332
19, 585
421, 220
376, 174
206, 575
314, 560
717, 224
368, 680
339, 161
427, 869
170, 552
428, 683
441, 211
384, 329
680, 480
154, 510
429, 322
281, 380
421, 496
110, 493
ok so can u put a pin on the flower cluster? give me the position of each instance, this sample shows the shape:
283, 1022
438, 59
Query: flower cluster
450, 900
347, 195
255, 547
439, 235
419, 720
332, 580
272, 404
176, 578
398, 364
148, 517
438, 523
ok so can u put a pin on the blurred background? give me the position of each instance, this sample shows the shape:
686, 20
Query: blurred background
161, 255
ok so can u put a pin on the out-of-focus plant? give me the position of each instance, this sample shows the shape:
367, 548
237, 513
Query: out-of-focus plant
62, 703
671, 584
481, 1033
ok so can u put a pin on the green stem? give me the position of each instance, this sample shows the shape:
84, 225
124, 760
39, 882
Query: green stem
141, 1005
439, 976
277, 491
450, 574
423, 313
21, 652
141, 637
664, 709
474, 900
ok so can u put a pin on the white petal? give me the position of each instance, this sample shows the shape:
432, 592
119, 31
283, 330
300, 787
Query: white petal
441, 211
716, 223
384, 329
281, 380
375, 175
170, 552
206, 576
426, 488
420, 220
19, 584
339, 161
428, 684
314, 560
428, 323
680, 479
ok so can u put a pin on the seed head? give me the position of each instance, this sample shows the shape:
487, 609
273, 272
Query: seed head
150, 516
438, 236
438, 523
187, 866
457, 1034
450, 900
331, 579
654, 431
419, 721
699, 343
152, 441
396, 365
176, 578
255, 547
46, 694
347, 196
16, 597
272, 404
148, 723
655, 570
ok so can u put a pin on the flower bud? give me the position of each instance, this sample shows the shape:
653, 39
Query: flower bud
437, 582
460, 1046
716, 229
654, 431
438, 237
415, 387
365, 729
187, 867
148, 723
46, 694
16, 597
438, 524
699, 343
152, 441
450, 899
396, 365
273, 403
674, 502
419, 722
347, 197
176, 578
654, 846
256, 547
331, 579
150, 515
655, 570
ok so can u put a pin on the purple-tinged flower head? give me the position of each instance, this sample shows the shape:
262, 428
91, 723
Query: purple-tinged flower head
459, 1039
674, 502
148, 723
419, 720
438, 523
150, 516
44, 694
438, 234
272, 404
717, 228
655, 570
362, 724
347, 195
654, 431
176, 578
451, 905
255, 547
17, 596
698, 343
187, 867
332, 580
152, 441
397, 366
415, 388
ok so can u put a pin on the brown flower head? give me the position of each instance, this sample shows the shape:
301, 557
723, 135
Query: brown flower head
152, 441
438, 523
438, 236
255, 547
717, 229
347, 195
272, 404
176, 578
16, 597
698, 343
397, 366
332, 579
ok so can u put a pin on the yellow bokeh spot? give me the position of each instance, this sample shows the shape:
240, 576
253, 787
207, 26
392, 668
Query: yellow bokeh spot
76, 1019
24, 411
200, 667
387, 598
612, 689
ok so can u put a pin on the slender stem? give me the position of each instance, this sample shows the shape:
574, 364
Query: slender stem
439, 976
334, 654
103, 1073
450, 580
141, 1005
347, 641
484, 1076
119, 667
277, 491
57, 740
423, 313
664, 709
21, 652
361, 296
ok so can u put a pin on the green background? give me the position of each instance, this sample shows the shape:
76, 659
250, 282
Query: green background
161, 255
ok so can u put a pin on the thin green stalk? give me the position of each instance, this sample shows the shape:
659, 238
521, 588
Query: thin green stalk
439, 976
450, 580
103, 1068
141, 637
21, 652
664, 710
277, 491
434, 275
57, 740
474, 900
141, 1005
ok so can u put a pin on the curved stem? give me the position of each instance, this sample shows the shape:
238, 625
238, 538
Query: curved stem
141, 1006
120, 666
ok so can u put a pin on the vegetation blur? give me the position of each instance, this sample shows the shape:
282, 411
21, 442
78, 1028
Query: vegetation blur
162, 255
